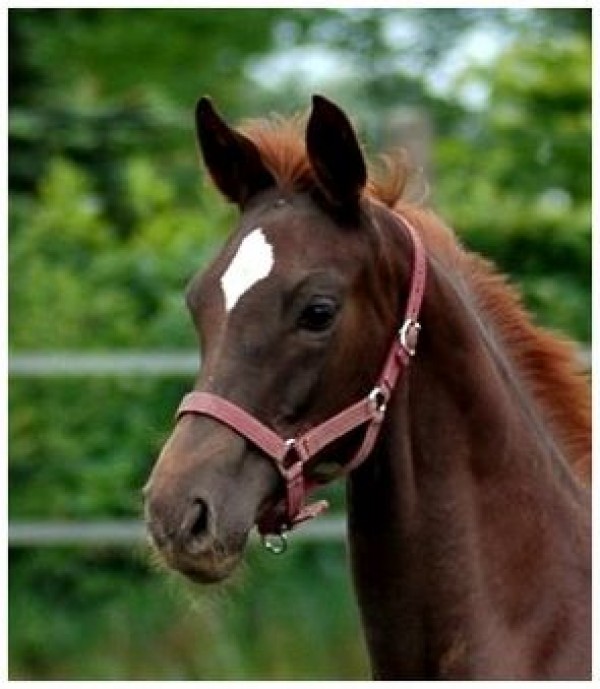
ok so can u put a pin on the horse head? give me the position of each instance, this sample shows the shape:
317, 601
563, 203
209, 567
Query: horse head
293, 326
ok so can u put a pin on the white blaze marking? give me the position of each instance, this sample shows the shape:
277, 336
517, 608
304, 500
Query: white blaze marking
252, 263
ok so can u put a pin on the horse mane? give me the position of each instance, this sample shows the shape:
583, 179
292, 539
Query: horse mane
547, 362
280, 142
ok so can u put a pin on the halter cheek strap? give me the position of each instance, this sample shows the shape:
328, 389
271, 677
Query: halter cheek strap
291, 456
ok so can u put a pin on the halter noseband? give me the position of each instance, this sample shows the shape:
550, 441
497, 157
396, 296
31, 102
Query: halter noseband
291, 456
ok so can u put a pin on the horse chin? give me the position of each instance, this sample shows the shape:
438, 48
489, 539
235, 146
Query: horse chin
213, 574
207, 569
202, 563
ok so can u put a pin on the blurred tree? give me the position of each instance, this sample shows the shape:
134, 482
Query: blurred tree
152, 57
94, 86
517, 180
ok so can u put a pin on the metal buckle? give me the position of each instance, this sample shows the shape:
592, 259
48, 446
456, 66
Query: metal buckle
409, 325
289, 462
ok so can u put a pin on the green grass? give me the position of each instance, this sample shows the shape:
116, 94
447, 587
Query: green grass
108, 614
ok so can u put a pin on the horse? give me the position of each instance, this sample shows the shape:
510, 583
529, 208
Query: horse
345, 332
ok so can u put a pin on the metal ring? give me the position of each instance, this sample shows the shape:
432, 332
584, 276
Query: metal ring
275, 543
378, 399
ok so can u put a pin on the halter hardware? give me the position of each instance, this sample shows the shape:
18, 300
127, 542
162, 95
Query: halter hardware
275, 543
408, 335
369, 412
379, 400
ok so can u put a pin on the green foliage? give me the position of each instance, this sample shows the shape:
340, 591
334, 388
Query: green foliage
93, 459
516, 185
154, 56
76, 283
108, 221
270, 623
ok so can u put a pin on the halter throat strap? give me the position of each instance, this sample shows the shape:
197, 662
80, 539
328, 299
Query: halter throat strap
290, 456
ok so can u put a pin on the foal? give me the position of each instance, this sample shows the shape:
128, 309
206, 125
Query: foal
469, 513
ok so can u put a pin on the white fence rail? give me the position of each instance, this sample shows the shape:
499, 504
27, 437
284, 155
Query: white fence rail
115, 363
128, 533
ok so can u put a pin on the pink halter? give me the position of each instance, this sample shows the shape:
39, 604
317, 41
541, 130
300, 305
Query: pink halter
291, 456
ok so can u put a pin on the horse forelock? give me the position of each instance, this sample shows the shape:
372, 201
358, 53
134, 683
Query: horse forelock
281, 144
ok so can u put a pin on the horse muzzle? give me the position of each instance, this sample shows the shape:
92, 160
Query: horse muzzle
196, 516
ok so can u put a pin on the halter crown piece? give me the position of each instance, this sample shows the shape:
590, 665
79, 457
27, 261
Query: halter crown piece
291, 456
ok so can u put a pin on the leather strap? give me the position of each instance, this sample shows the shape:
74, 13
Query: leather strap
368, 412
238, 419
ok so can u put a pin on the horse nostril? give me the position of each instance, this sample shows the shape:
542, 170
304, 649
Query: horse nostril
198, 523
194, 532
173, 531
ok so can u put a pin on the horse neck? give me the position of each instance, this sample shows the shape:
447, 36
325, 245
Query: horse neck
448, 520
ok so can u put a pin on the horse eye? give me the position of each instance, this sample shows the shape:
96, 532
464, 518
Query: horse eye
318, 315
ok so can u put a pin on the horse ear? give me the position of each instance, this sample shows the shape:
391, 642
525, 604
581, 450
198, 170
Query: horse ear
232, 159
335, 154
